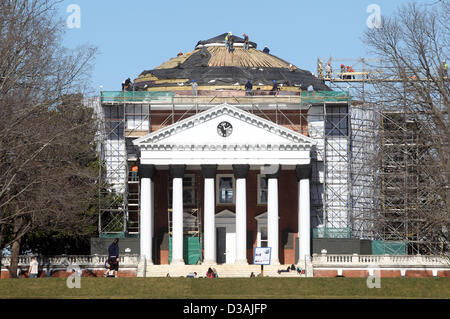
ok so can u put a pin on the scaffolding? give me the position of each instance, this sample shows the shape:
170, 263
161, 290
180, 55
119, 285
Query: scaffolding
390, 188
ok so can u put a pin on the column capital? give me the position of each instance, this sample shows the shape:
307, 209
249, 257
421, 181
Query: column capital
209, 171
303, 171
240, 170
177, 171
147, 171
272, 171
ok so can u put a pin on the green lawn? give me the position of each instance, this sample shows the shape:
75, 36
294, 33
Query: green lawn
229, 288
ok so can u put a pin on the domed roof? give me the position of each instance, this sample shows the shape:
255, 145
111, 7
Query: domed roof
211, 65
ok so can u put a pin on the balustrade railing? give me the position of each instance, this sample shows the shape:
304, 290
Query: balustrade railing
80, 260
385, 260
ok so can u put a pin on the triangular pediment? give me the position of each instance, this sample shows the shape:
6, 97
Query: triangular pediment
224, 125
225, 214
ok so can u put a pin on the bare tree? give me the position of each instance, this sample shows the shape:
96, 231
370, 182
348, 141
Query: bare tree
414, 47
47, 179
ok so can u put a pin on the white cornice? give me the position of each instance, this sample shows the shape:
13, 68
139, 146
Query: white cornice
156, 139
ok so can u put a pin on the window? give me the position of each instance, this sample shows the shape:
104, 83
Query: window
225, 188
263, 232
336, 123
188, 190
262, 190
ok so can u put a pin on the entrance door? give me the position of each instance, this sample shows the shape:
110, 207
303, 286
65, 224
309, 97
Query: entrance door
226, 237
230, 255
221, 244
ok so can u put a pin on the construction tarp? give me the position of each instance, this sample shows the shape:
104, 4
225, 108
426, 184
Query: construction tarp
221, 39
326, 232
231, 75
380, 247
136, 96
192, 251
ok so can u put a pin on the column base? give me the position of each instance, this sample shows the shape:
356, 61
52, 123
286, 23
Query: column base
241, 262
176, 262
209, 263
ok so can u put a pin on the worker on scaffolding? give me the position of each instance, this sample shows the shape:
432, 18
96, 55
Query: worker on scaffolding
445, 69
328, 70
248, 88
320, 68
245, 41
126, 85
134, 173
342, 71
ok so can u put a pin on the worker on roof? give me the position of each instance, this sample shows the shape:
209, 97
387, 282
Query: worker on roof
248, 88
266, 50
180, 53
275, 88
194, 88
310, 89
245, 41
227, 38
230, 44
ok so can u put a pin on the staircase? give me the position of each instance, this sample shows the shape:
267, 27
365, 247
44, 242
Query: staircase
224, 271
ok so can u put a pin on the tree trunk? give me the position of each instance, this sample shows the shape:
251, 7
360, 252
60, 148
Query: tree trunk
15, 250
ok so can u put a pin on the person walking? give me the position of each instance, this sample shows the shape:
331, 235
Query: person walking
34, 268
113, 257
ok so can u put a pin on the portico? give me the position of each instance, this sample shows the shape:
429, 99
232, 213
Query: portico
225, 139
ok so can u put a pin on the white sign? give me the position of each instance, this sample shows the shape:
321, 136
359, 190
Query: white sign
262, 256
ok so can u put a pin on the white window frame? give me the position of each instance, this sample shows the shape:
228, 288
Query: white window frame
218, 176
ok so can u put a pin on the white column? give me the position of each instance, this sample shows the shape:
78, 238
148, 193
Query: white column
146, 219
177, 221
209, 227
241, 221
272, 219
304, 219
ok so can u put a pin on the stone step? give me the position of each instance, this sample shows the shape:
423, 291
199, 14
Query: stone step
223, 271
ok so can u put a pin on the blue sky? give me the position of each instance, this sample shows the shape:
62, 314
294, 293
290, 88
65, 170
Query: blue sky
133, 36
